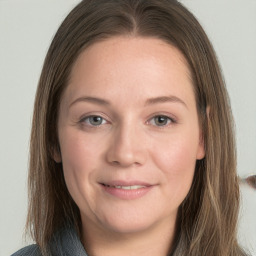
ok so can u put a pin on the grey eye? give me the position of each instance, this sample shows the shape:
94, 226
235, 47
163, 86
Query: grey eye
160, 120
94, 120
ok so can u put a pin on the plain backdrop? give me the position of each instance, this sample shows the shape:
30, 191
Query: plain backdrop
26, 29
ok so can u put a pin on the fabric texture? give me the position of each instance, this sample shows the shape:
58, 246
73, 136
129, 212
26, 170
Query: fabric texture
64, 243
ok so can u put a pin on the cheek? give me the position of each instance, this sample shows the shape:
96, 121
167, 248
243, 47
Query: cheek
78, 160
176, 152
176, 158
74, 155
78, 151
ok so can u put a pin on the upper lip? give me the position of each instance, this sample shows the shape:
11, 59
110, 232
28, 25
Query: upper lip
114, 183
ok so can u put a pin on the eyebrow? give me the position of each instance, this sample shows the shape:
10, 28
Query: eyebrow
163, 99
150, 101
92, 100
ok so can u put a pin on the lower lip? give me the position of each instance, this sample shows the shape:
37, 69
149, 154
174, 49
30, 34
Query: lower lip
127, 194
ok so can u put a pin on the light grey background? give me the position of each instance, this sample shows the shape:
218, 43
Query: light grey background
26, 29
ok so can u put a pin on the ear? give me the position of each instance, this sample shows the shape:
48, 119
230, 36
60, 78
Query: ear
56, 154
201, 146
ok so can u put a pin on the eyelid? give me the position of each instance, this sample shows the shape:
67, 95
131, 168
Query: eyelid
88, 115
168, 116
173, 119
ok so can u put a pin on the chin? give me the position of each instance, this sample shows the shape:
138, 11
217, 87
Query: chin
131, 222
127, 227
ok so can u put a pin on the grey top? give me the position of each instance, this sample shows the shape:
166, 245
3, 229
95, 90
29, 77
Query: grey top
64, 243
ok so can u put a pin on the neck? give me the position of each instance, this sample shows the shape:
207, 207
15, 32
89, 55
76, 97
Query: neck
156, 240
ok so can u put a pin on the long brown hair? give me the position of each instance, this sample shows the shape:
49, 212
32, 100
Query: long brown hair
207, 219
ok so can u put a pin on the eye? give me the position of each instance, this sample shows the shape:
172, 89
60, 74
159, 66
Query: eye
161, 120
94, 120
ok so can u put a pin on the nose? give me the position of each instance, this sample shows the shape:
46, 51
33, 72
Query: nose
126, 147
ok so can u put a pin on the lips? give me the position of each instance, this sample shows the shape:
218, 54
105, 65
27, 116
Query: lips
126, 189
135, 184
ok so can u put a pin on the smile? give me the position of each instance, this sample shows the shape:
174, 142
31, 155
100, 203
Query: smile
126, 191
126, 187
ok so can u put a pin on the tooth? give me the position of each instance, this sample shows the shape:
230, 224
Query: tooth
126, 187
137, 187
130, 187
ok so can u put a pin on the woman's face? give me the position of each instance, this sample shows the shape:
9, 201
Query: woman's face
129, 134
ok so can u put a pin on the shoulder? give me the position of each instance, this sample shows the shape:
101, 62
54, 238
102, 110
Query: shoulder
31, 250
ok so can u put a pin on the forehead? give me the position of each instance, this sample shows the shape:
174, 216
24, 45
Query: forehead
127, 64
122, 48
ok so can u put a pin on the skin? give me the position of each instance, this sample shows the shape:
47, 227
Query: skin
129, 143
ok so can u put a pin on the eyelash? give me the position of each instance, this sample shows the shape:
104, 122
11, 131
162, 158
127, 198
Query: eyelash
169, 120
83, 120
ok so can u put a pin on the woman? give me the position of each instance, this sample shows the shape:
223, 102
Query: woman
132, 148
